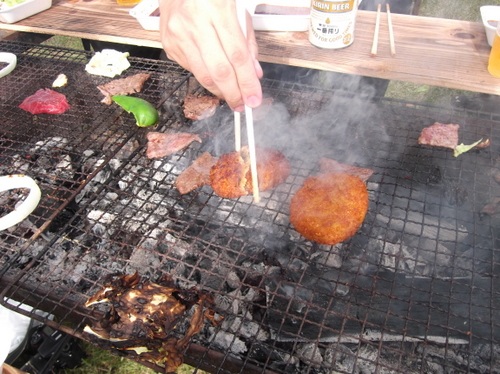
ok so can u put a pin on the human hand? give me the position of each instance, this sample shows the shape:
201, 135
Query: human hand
204, 37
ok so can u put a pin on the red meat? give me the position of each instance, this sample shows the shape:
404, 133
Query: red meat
45, 101
440, 135
162, 145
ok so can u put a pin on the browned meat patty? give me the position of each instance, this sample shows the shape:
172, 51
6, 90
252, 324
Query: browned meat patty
123, 86
200, 107
162, 145
196, 175
329, 208
231, 177
440, 135
328, 165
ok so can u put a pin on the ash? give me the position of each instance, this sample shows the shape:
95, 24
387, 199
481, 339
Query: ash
291, 304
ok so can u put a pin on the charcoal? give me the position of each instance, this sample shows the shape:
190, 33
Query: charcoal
339, 357
228, 341
310, 354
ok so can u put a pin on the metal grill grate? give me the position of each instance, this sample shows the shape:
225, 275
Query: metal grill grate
416, 290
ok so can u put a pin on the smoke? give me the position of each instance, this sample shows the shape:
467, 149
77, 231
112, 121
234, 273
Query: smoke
333, 115
325, 123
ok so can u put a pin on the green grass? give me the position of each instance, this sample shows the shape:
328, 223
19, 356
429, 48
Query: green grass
455, 9
99, 361
64, 41
467, 10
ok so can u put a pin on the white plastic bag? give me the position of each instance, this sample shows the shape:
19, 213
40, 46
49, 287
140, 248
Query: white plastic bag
14, 327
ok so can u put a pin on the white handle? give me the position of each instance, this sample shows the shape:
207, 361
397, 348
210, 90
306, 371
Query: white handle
273, 22
11, 60
251, 5
10, 182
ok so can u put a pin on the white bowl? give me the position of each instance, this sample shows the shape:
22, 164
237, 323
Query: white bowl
26, 9
490, 13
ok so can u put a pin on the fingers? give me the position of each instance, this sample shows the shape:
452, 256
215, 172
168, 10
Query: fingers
231, 63
253, 47
231, 66
210, 44
178, 30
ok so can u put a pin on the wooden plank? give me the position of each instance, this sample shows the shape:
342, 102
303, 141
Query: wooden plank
8, 35
439, 52
102, 20
433, 51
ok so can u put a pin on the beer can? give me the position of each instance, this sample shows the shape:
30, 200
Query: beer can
332, 23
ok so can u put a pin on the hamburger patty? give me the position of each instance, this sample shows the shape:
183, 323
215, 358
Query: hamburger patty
231, 177
329, 208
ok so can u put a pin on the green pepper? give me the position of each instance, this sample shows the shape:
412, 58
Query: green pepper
144, 112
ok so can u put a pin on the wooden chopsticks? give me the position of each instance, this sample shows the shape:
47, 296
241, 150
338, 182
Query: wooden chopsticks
375, 33
241, 11
377, 30
251, 146
391, 31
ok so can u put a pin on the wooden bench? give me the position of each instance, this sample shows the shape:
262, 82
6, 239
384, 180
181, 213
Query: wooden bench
431, 51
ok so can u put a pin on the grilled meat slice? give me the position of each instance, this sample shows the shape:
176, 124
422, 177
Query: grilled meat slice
440, 135
328, 165
196, 175
123, 86
162, 145
200, 107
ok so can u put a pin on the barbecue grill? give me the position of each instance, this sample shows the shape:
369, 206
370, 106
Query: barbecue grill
415, 290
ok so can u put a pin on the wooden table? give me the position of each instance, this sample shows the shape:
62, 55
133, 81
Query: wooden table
433, 51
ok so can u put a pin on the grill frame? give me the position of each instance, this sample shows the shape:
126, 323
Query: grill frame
353, 283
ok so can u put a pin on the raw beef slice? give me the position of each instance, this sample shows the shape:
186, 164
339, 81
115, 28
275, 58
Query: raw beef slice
45, 101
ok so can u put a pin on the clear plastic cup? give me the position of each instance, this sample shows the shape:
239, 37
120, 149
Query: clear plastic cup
494, 60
